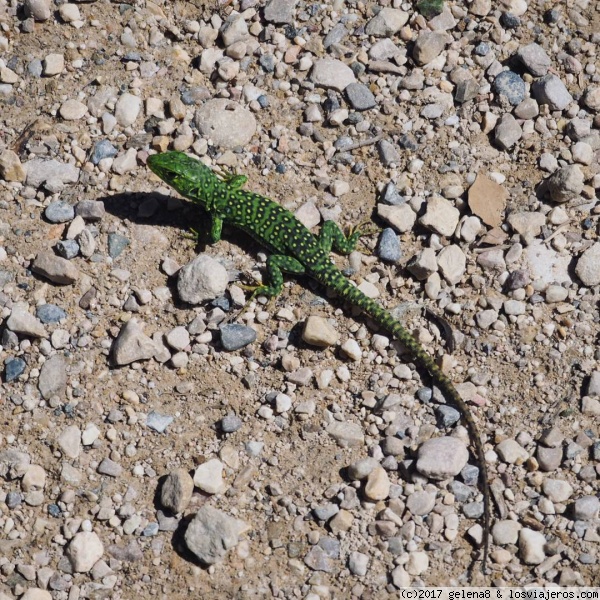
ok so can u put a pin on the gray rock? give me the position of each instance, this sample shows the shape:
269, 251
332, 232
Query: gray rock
225, 122
21, 321
56, 269
235, 336
176, 491
234, 30
90, 210
13, 368
428, 46
40, 170
53, 377
362, 468
69, 441
586, 508
110, 467
565, 184
588, 266
346, 434
358, 563
67, 249
511, 86
386, 22
330, 73
552, 91
102, 149
231, 423
50, 313
40, 10
204, 278
280, 11
549, 458
388, 246
360, 96
442, 458
388, 154
535, 59
127, 109
116, 244
211, 533
506, 532
84, 551
420, 503
132, 345
508, 132
531, 546
158, 422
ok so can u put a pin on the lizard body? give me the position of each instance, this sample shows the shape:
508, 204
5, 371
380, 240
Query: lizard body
297, 251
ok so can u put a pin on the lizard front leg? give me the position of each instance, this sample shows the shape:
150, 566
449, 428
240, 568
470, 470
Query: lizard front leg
331, 236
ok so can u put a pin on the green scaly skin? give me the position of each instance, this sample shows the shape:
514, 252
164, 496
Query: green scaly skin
297, 251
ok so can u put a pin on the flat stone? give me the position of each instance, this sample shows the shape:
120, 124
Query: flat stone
507, 132
552, 91
428, 46
487, 200
53, 377
84, 551
330, 73
346, 434
21, 321
319, 332
132, 344
440, 216
225, 122
442, 458
386, 22
535, 59
55, 268
209, 477
588, 266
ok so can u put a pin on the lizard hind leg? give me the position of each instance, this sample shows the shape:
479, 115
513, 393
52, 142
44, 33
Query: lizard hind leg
331, 236
277, 264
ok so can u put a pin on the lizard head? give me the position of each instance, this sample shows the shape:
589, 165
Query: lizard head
182, 172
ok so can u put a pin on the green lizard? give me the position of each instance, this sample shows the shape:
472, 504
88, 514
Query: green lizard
297, 251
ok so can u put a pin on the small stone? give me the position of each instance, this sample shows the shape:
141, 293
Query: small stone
59, 212
401, 217
428, 46
127, 109
178, 338
53, 377
53, 64
69, 13
40, 10
11, 168
565, 183
84, 551
90, 210
388, 246
280, 11
586, 508
231, 423
319, 332
69, 441
72, 110
511, 86
211, 533
442, 458
440, 216
512, 452
209, 477
552, 91
591, 98
176, 491
487, 199
535, 59
346, 434
531, 546
330, 73
557, 490
110, 467
452, 263
583, 153
204, 278
132, 344
358, 563
588, 266
235, 336
13, 368
387, 22
21, 321
507, 132
158, 422
362, 468
420, 503
352, 349
378, 484
227, 123
506, 532
360, 96
56, 269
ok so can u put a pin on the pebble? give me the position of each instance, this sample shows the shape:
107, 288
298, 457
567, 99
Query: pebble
56, 269
534, 59
204, 278
487, 200
351, 349
72, 110
507, 132
132, 344
588, 266
110, 467
231, 423
512, 452
452, 263
557, 490
41, 171
13, 368
209, 477
40, 10
362, 468
360, 96
401, 217
358, 563
552, 91
388, 246
386, 22
227, 123
377, 486
511, 86
158, 422
319, 332
127, 109
212, 533
53, 377
531, 546
176, 491
235, 336
565, 183
428, 46
330, 73
84, 551
35, 594
346, 434
586, 508
21, 321
440, 216
59, 212
11, 168
506, 532
441, 458
67, 249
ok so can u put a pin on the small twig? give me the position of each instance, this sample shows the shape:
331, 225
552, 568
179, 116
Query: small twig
362, 144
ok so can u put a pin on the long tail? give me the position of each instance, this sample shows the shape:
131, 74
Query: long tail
385, 320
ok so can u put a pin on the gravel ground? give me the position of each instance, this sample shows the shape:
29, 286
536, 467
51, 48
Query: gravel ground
156, 443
